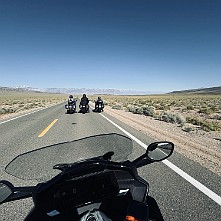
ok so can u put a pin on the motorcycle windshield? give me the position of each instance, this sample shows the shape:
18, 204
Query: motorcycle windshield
38, 164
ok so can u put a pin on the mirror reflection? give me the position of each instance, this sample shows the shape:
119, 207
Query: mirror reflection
159, 151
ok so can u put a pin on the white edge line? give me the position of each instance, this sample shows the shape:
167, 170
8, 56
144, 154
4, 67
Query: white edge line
180, 172
194, 182
25, 114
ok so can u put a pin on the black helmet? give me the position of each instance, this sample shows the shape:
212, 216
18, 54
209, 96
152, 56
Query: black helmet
99, 98
70, 96
84, 95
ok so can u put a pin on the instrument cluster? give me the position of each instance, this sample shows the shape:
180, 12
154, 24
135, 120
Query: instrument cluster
89, 189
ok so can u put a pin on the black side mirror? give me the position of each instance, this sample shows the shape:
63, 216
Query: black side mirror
6, 190
159, 151
156, 151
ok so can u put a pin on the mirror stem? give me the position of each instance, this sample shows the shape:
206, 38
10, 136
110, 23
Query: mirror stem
141, 161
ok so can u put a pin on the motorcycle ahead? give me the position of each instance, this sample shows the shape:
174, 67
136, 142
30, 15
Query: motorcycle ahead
99, 107
71, 108
98, 183
84, 108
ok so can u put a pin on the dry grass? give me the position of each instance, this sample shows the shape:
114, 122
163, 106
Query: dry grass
190, 111
194, 120
15, 102
201, 111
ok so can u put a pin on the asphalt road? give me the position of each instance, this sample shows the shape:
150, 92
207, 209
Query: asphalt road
178, 199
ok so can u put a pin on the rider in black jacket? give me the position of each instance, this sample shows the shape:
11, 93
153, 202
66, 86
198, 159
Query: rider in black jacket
99, 101
84, 100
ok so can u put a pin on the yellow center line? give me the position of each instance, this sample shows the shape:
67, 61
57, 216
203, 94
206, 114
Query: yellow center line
47, 128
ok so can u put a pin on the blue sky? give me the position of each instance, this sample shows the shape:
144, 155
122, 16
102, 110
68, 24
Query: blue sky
152, 45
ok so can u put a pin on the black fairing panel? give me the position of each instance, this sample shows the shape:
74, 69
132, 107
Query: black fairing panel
138, 188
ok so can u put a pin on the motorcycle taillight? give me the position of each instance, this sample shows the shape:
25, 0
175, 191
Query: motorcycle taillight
137, 211
132, 218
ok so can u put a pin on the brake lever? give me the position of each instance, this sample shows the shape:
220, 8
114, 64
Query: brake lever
21, 193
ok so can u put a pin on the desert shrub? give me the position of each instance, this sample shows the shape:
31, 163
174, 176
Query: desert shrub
117, 107
145, 110
171, 118
34, 104
12, 110
193, 121
26, 107
173, 103
2, 111
104, 102
205, 125
135, 109
131, 108
8, 103
15, 102
149, 111
143, 102
163, 107
187, 129
8, 110
211, 126
206, 110
139, 110
20, 109
190, 107
217, 117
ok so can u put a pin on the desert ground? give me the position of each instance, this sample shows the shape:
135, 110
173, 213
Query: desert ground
191, 122
198, 145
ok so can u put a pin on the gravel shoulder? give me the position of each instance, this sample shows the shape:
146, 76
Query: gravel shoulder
199, 146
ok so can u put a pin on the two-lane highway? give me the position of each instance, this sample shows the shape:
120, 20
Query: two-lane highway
177, 197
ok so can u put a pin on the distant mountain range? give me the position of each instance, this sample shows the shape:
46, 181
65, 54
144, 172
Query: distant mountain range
111, 91
22, 89
210, 90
